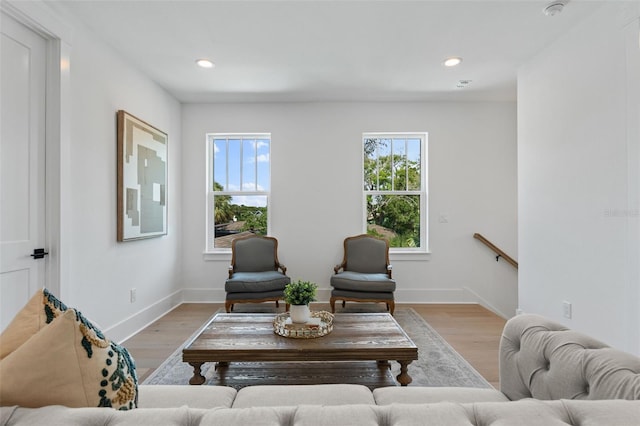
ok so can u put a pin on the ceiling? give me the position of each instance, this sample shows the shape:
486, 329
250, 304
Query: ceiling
347, 50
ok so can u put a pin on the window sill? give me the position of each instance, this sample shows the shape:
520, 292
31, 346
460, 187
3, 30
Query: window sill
225, 256
409, 256
217, 256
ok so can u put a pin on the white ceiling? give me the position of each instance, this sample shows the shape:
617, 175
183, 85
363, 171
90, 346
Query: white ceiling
328, 50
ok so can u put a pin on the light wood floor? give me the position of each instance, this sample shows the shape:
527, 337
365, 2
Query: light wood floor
471, 330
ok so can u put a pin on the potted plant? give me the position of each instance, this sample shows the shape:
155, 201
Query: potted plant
298, 294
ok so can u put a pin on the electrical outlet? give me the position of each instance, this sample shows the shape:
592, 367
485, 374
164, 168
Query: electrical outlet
566, 309
132, 295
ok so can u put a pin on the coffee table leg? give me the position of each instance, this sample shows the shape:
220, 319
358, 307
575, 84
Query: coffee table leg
197, 378
404, 378
383, 363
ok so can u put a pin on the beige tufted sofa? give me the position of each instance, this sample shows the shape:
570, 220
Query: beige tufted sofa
545, 360
549, 375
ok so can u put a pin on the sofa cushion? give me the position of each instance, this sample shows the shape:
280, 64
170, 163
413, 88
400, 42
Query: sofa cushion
525, 412
71, 363
263, 416
598, 413
522, 413
6, 413
420, 395
57, 415
440, 414
163, 396
362, 415
281, 395
40, 310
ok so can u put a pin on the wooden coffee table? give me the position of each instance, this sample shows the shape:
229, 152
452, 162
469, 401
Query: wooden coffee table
250, 338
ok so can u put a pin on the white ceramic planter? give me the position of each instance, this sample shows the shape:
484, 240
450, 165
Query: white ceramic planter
299, 313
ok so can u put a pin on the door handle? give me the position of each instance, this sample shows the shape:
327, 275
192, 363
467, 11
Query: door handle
39, 253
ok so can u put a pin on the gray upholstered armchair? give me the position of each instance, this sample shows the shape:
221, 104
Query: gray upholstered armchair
364, 274
255, 274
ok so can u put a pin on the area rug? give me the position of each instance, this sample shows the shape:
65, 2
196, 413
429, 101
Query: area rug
438, 365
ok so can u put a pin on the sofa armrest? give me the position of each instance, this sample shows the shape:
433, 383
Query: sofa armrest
543, 359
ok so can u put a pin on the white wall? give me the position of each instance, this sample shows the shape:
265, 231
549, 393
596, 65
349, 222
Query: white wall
101, 270
577, 196
316, 162
316, 193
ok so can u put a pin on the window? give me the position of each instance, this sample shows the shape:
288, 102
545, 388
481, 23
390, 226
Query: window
238, 187
395, 189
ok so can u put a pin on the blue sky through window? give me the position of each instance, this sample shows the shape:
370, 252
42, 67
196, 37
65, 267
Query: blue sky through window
242, 165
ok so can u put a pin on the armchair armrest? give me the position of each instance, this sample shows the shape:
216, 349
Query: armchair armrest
337, 268
230, 271
389, 269
282, 268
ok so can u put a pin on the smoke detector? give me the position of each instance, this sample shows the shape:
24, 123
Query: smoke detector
554, 8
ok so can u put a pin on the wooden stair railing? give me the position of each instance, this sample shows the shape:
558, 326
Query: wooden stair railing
500, 253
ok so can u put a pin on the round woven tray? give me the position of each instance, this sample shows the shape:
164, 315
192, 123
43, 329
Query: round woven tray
320, 324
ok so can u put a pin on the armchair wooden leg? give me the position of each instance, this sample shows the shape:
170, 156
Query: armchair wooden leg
277, 304
344, 303
286, 307
391, 306
228, 306
332, 302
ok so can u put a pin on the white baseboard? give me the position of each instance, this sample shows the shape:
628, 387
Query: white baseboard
483, 302
434, 295
203, 295
460, 295
136, 322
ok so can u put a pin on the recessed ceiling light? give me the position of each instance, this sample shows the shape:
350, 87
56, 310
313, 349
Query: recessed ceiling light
204, 63
554, 7
452, 62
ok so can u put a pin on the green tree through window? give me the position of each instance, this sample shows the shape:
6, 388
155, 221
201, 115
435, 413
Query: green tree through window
238, 197
395, 188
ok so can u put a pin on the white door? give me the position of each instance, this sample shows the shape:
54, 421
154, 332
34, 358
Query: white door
22, 161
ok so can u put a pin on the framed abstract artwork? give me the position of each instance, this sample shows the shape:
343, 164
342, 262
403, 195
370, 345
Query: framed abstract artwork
142, 179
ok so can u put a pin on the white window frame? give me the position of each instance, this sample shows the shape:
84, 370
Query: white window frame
210, 193
423, 192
